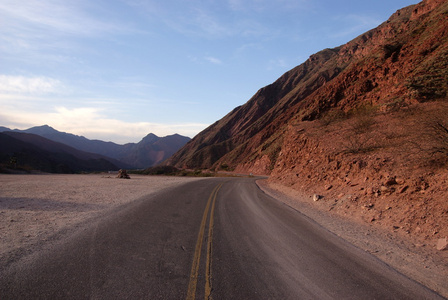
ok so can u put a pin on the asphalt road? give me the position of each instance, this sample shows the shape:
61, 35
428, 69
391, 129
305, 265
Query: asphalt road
215, 238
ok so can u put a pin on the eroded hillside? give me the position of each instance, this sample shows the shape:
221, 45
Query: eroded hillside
398, 64
364, 125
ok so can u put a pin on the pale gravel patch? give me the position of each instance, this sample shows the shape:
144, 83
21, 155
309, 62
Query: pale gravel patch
35, 208
419, 262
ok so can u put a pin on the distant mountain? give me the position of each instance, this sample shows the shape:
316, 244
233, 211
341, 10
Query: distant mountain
109, 149
150, 151
32, 152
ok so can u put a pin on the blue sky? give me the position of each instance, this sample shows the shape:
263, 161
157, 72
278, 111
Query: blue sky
117, 70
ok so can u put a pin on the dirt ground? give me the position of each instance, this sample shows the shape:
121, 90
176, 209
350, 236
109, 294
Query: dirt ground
35, 209
39, 209
421, 262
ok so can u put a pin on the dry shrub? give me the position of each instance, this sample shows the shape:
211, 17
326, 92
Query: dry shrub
438, 132
430, 135
332, 115
363, 118
359, 144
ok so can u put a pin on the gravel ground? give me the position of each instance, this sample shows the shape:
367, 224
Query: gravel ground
38, 209
421, 263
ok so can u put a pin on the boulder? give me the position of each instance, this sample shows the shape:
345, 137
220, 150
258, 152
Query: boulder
123, 174
400, 181
442, 244
316, 197
391, 181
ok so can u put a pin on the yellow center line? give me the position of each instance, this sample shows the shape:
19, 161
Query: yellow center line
197, 254
208, 266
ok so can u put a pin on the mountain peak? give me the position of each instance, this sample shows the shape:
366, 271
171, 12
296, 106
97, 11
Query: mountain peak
44, 129
150, 138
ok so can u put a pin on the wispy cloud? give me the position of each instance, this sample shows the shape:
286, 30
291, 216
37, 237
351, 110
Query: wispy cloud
354, 24
205, 60
36, 29
213, 60
277, 63
29, 85
37, 100
93, 123
209, 23
204, 19
267, 5
66, 17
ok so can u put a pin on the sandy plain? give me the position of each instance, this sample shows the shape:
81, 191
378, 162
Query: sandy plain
38, 210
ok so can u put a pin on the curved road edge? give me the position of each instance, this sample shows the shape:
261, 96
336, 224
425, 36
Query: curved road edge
422, 265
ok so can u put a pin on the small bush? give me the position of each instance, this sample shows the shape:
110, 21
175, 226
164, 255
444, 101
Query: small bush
438, 133
224, 167
357, 144
363, 118
363, 124
332, 116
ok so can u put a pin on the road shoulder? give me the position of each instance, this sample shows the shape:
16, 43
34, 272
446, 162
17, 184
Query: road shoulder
423, 265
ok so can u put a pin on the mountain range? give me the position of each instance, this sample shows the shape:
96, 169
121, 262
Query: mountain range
28, 152
150, 151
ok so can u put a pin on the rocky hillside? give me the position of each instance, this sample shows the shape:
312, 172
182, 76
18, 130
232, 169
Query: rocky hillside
363, 125
400, 63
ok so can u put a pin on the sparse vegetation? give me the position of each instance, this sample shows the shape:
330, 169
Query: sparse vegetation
429, 137
159, 170
359, 144
439, 133
363, 118
224, 167
173, 171
333, 115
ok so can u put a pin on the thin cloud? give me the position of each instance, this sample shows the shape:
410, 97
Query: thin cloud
211, 20
213, 60
55, 17
209, 23
92, 123
29, 85
353, 25
205, 59
278, 63
267, 5
246, 48
36, 29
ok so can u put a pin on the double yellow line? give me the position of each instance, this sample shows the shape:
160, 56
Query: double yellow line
197, 254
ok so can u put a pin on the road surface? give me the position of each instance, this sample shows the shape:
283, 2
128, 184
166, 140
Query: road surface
219, 238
